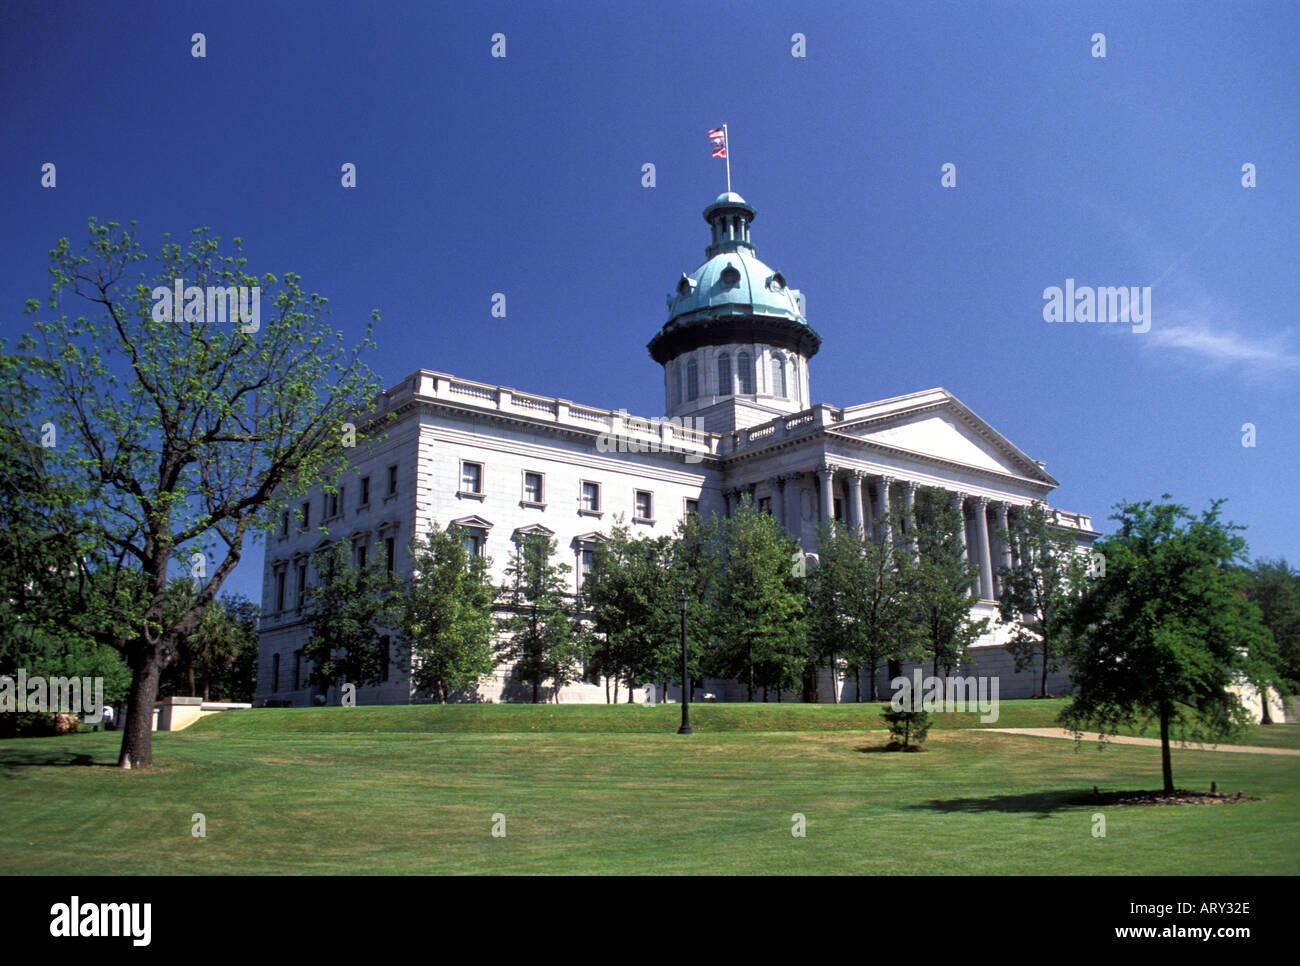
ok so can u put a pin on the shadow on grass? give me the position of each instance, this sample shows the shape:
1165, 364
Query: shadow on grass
11, 759
1042, 803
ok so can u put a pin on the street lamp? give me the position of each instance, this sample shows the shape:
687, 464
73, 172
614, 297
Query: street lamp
685, 729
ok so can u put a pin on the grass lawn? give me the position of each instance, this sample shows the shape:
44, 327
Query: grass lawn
600, 789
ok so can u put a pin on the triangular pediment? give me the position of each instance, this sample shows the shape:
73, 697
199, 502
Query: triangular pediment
472, 523
936, 424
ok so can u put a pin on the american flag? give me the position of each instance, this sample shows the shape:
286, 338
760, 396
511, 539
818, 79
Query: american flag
718, 138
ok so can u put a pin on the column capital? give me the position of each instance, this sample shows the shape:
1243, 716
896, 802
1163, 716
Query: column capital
779, 480
1000, 508
887, 480
826, 466
911, 485
858, 475
983, 502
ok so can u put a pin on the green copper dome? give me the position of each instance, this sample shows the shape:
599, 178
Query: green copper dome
732, 297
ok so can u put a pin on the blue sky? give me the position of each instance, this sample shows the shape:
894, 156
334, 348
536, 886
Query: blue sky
522, 175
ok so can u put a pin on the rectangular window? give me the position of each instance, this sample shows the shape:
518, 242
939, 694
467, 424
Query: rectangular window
360, 551
279, 590
275, 673
284, 524
692, 379
839, 508
365, 492
471, 478
297, 670
390, 546
693, 506
765, 504
474, 542
644, 505
586, 560
392, 480
533, 488
590, 497
306, 515
302, 586
332, 505
384, 644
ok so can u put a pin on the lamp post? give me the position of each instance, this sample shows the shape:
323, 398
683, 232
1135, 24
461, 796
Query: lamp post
685, 729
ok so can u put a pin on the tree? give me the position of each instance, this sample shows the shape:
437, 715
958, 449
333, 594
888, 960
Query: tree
226, 633
184, 429
759, 605
1275, 587
941, 577
445, 628
1039, 590
347, 610
1167, 630
630, 598
542, 634
859, 608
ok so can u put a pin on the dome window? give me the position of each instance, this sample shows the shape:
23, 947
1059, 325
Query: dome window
730, 275
777, 282
686, 286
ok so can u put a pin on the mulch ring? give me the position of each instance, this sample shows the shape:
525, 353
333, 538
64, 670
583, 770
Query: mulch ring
1180, 796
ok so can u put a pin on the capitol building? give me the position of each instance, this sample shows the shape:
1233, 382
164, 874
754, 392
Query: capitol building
736, 354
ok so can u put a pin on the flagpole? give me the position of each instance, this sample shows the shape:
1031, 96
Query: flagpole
726, 139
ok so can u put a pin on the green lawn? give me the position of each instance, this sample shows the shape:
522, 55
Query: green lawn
598, 789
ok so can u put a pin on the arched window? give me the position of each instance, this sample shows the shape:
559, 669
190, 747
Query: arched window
745, 372
692, 379
677, 383
778, 375
794, 365
724, 375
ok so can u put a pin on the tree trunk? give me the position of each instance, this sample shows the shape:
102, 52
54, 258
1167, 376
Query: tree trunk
607, 689
835, 684
857, 685
629, 691
873, 681
1165, 765
189, 675
1044, 689
137, 732
615, 690
535, 685
205, 684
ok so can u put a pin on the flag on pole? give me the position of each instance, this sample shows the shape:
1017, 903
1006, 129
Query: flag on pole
718, 138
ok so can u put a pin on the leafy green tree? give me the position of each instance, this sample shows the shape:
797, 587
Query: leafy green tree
1275, 587
542, 634
347, 611
445, 628
226, 633
759, 605
183, 429
859, 604
630, 597
1040, 590
941, 578
696, 572
1167, 630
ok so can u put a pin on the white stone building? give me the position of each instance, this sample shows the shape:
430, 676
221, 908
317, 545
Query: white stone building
735, 353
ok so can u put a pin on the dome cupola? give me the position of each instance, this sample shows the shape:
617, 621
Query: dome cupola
735, 330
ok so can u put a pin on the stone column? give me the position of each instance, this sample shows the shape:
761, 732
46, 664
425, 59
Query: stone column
777, 485
793, 516
909, 505
982, 556
1004, 543
868, 517
882, 498
825, 481
855, 500
959, 504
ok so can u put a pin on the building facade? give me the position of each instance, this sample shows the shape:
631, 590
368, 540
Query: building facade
740, 421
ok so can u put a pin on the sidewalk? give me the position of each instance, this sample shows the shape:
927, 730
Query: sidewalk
1147, 742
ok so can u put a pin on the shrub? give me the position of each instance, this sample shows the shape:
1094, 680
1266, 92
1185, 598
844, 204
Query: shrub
907, 728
